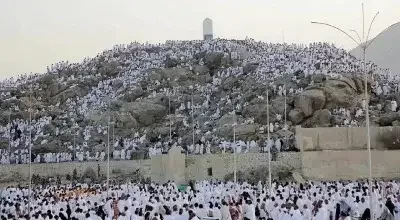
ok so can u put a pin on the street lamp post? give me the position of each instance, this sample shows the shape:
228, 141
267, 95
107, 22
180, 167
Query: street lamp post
74, 143
170, 119
192, 106
30, 155
234, 145
108, 155
9, 133
269, 148
364, 43
75, 130
285, 94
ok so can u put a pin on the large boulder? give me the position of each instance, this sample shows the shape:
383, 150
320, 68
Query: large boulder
278, 104
55, 88
259, 113
28, 102
145, 112
171, 62
125, 120
250, 68
319, 78
110, 68
201, 69
230, 82
321, 118
131, 96
296, 116
226, 119
49, 129
70, 93
387, 106
241, 131
245, 130
388, 118
310, 101
163, 131
359, 82
339, 93
213, 60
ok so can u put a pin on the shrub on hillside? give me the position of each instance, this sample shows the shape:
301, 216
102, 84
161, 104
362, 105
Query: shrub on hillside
89, 174
74, 175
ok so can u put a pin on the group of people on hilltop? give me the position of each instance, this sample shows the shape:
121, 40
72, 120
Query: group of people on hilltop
204, 200
280, 67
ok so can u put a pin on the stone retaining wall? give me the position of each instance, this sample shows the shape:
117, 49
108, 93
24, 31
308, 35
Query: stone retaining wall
223, 164
350, 165
195, 167
343, 138
313, 165
63, 169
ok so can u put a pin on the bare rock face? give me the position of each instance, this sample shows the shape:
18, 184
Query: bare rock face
71, 92
245, 130
310, 101
142, 104
145, 112
213, 60
241, 131
131, 96
296, 116
339, 93
328, 94
321, 118
278, 104
249, 68
200, 69
388, 118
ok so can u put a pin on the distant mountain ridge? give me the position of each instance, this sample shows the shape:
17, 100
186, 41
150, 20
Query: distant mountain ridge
385, 50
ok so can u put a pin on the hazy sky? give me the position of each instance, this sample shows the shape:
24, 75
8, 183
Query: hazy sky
37, 33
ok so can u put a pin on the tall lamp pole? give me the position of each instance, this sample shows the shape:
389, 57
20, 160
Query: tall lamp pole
9, 133
170, 119
192, 113
285, 94
234, 145
74, 130
269, 148
30, 156
108, 155
364, 43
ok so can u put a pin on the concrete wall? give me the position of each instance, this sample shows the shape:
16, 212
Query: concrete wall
312, 139
350, 165
196, 167
162, 168
314, 165
169, 166
223, 164
55, 169
327, 154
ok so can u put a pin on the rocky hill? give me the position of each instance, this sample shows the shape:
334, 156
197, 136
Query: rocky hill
148, 89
